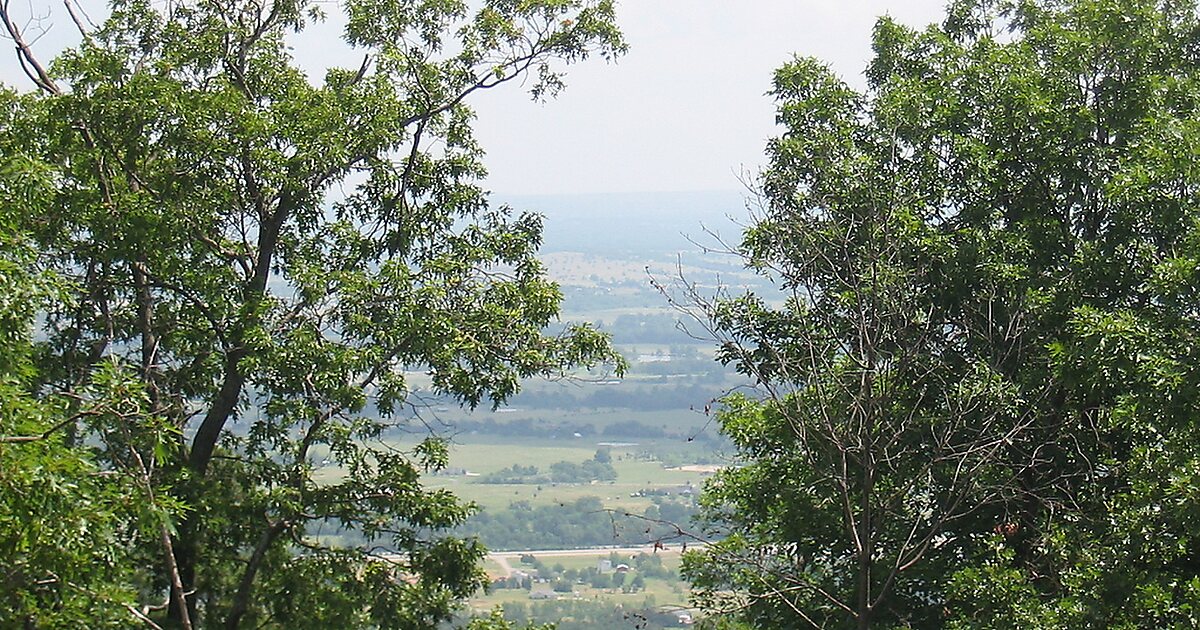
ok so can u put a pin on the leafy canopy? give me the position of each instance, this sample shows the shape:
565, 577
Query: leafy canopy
978, 394
259, 260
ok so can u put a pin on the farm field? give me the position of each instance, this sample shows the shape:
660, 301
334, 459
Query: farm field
635, 473
653, 428
570, 585
591, 270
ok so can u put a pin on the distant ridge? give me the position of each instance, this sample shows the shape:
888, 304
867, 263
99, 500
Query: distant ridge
625, 223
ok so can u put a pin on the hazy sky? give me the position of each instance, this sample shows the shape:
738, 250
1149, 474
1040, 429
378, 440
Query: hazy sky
684, 110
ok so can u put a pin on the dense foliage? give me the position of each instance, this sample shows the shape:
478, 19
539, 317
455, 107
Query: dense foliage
978, 388
61, 520
246, 256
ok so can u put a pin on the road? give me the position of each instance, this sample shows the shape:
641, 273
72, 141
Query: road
502, 558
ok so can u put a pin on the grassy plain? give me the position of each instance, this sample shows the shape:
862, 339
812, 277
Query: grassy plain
596, 270
635, 473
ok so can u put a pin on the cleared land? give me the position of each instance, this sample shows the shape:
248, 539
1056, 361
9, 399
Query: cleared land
635, 474
664, 592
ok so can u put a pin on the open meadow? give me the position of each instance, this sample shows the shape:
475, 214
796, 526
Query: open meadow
636, 474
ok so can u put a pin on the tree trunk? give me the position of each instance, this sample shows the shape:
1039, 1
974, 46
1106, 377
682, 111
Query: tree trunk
181, 610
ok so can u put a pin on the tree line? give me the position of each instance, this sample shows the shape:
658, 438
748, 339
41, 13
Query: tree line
584, 522
559, 472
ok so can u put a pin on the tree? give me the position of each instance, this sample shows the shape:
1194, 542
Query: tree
496, 621
59, 518
638, 584
265, 257
976, 395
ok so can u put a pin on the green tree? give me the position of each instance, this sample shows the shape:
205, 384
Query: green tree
67, 516
58, 517
268, 256
978, 396
496, 621
638, 584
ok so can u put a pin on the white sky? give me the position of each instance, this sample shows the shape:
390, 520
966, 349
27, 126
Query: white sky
684, 110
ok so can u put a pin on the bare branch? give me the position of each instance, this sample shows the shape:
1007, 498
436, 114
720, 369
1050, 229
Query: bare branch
29, 62
72, 8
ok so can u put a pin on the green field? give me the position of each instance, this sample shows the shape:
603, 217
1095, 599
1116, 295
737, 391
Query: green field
640, 472
649, 449
634, 474
488, 454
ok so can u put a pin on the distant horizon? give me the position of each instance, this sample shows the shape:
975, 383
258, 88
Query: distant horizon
618, 223
618, 193
583, 195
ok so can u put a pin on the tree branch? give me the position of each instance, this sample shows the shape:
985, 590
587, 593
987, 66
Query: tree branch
29, 63
241, 601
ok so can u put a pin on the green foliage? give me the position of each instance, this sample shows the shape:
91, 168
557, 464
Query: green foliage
584, 615
61, 519
584, 472
978, 400
496, 621
250, 261
65, 524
